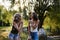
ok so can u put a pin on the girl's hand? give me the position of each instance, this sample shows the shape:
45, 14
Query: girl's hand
15, 25
34, 26
28, 32
21, 26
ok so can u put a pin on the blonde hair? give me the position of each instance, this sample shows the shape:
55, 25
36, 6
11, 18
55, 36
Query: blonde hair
17, 14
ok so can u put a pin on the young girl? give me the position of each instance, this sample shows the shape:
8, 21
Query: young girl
16, 28
33, 26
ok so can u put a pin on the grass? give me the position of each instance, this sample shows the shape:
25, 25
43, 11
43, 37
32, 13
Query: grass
4, 32
25, 23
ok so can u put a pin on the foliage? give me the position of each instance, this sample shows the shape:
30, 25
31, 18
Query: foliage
40, 8
5, 15
4, 32
48, 13
25, 13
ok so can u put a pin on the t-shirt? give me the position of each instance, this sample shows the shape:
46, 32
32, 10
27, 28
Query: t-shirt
14, 30
31, 26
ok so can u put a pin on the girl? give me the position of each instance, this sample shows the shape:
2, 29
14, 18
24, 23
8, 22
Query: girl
33, 26
16, 28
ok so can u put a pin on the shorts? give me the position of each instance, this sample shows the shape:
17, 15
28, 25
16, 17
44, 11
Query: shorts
34, 35
13, 36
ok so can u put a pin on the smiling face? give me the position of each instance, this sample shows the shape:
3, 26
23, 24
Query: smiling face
17, 18
31, 15
34, 16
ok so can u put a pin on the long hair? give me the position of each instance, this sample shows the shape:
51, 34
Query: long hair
35, 17
17, 17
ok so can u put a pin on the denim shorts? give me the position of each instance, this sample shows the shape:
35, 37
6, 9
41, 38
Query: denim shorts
34, 35
13, 36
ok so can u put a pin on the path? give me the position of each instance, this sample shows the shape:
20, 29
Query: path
53, 38
6, 31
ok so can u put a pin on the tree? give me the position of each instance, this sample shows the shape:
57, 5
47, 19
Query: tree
17, 4
41, 7
5, 16
53, 9
1, 7
25, 13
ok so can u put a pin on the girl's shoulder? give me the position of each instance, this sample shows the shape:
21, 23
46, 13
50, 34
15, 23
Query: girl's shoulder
21, 22
38, 20
30, 20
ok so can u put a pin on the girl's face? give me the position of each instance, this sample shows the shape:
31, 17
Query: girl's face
17, 18
31, 15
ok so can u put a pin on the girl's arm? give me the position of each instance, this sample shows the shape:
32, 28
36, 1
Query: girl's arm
15, 25
36, 24
29, 27
21, 27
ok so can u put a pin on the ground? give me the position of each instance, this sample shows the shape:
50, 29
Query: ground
4, 32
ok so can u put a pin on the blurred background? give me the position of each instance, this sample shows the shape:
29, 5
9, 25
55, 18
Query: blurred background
48, 12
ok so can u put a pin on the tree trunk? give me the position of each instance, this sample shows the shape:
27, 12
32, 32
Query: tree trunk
41, 19
40, 23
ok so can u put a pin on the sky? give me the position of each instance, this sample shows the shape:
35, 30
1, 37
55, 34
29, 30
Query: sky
5, 3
